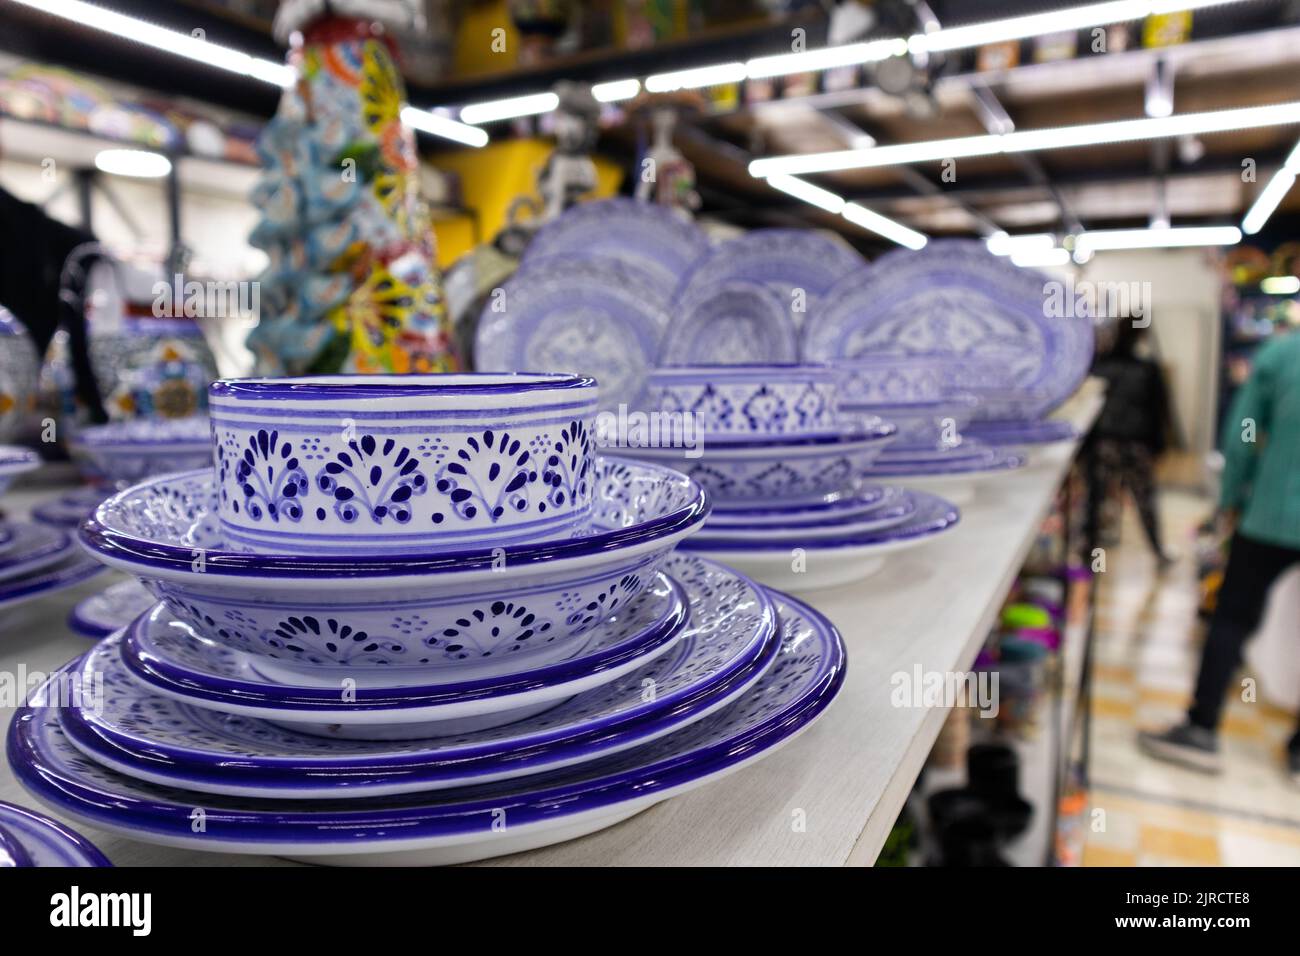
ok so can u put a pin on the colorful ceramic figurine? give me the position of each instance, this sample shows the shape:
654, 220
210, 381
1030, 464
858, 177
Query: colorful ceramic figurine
351, 285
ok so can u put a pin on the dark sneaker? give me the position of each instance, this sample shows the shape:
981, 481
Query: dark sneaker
1186, 744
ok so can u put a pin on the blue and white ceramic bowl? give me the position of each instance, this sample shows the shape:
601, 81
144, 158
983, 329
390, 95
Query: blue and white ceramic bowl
882, 378
13, 462
402, 463
747, 400
440, 615
119, 453
786, 469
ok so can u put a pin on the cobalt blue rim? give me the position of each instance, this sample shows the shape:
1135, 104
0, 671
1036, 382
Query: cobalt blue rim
933, 515
648, 720
155, 670
102, 540
863, 496
49, 543
940, 469
865, 436
883, 513
12, 852
388, 819
335, 387
72, 848
14, 459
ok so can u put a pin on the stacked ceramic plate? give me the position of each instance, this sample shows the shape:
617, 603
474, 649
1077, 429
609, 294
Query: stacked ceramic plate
35, 558
784, 471
410, 620
28, 839
933, 451
1020, 344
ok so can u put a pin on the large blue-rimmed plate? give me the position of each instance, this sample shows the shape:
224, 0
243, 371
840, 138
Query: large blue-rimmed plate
110, 610
956, 297
28, 838
646, 236
69, 572
736, 322
446, 826
164, 741
592, 315
799, 265
33, 546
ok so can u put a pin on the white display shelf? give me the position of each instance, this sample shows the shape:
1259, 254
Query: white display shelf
832, 795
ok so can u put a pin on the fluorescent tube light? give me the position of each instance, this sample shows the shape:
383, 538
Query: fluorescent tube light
140, 163
695, 78
1280, 285
815, 195
1037, 258
443, 126
1267, 201
1088, 134
509, 108
1096, 239
827, 58
1001, 244
616, 90
878, 224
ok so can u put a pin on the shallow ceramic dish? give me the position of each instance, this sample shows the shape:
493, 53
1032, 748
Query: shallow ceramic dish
740, 320
956, 297
13, 462
338, 464
919, 424
110, 610
118, 453
865, 500
878, 520
799, 265
170, 659
891, 379
956, 481
69, 510
789, 469
643, 235
441, 616
964, 449
798, 563
34, 546
1015, 434
69, 572
593, 315
28, 838
454, 826
155, 738
748, 400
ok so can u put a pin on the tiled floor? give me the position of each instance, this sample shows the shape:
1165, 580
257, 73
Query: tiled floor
1148, 647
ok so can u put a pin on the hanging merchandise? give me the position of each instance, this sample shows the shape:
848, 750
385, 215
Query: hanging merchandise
351, 285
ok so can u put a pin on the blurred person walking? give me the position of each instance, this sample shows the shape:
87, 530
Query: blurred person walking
1261, 500
1129, 434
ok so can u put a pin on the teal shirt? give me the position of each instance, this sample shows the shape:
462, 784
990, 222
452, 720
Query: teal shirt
1262, 478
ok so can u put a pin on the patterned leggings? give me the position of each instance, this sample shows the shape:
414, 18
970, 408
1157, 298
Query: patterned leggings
1130, 464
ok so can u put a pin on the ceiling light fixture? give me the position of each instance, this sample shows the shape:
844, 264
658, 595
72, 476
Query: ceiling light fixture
1037, 258
511, 107
1096, 240
827, 58
815, 195
696, 78
443, 126
1088, 134
1271, 196
140, 163
894, 231
616, 90
1001, 244
1280, 285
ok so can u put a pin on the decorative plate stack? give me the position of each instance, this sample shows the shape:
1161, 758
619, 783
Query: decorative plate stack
784, 469
35, 559
413, 620
1011, 338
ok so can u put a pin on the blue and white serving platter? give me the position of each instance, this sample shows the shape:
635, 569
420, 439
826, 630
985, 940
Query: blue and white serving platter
956, 297
880, 519
69, 572
69, 510
1020, 434
846, 506
954, 480
592, 315
799, 265
173, 661
643, 235
28, 838
797, 562
110, 610
445, 827
736, 322
155, 738
33, 546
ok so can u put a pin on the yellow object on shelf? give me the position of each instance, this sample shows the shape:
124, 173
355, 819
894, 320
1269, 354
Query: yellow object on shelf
492, 178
